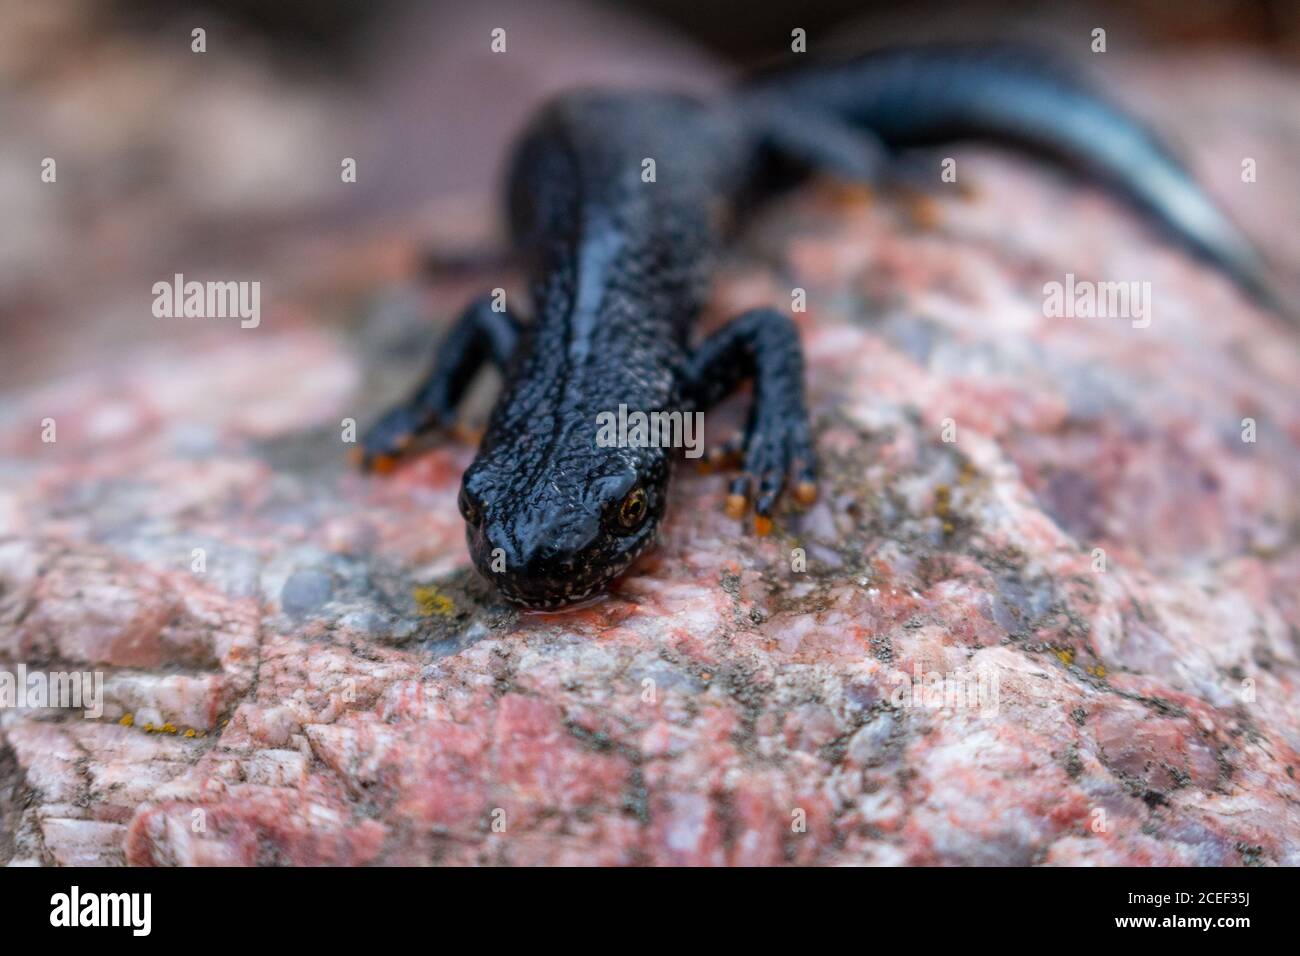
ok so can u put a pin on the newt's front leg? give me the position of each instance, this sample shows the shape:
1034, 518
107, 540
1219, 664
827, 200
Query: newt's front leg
481, 334
761, 346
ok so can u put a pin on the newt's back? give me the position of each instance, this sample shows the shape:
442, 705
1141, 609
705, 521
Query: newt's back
624, 190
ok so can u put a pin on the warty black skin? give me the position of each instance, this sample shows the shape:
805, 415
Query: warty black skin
619, 267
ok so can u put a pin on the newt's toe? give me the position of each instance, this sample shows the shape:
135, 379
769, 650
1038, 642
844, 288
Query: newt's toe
762, 525
736, 506
805, 493
467, 434
924, 211
382, 464
850, 195
726, 455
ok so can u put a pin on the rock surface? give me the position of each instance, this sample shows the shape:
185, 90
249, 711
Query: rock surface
299, 666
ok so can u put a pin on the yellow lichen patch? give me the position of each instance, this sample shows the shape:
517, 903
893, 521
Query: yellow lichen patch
967, 474
943, 508
431, 601
189, 732
128, 720
943, 501
1065, 656
1097, 670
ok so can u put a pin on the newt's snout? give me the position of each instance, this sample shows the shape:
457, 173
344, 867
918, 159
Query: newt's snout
548, 565
534, 549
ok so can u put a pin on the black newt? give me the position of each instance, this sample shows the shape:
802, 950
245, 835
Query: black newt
619, 264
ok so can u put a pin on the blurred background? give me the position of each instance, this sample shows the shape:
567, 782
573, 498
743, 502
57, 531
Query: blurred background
229, 160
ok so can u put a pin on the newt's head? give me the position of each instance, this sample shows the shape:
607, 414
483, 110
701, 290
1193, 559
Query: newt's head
552, 519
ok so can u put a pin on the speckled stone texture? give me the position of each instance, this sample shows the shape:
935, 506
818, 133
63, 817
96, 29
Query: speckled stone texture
327, 682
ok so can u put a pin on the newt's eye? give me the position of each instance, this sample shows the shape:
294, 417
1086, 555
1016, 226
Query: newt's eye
632, 509
468, 509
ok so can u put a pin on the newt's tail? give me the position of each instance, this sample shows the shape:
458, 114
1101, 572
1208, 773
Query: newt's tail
925, 95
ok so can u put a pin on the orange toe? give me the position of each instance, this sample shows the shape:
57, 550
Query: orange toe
925, 212
848, 195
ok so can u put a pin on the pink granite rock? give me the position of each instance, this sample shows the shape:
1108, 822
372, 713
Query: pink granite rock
934, 664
